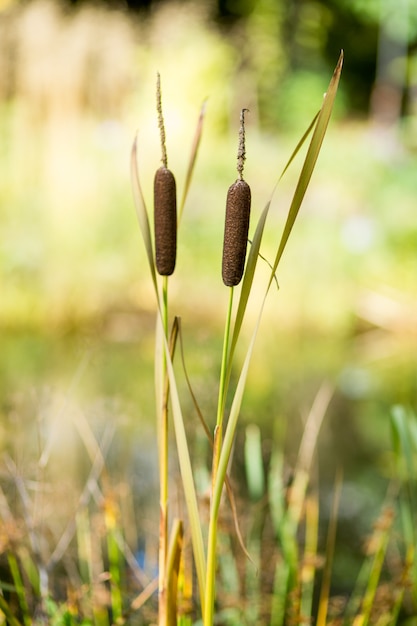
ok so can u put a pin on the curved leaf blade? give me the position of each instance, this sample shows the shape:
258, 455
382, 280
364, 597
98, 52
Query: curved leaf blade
193, 157
310, 161
186, 470
142, 213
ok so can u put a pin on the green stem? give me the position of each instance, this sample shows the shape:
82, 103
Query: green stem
211, 569
224, 368
163, 468
215, 502
223, 386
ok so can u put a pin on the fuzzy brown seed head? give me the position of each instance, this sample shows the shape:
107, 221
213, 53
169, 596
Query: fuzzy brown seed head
236, 230
165, 221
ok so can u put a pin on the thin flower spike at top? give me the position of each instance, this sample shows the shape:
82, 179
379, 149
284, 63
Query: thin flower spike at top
165, 204
236, 225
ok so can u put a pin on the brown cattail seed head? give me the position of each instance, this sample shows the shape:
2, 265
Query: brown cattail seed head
165, 221
236, 230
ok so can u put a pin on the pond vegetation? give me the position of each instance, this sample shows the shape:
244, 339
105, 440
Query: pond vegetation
334, 359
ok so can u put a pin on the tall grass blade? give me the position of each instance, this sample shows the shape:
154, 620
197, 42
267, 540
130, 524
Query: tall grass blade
221, 472
254, 252
172, 571
358, 608
278, 604
186, 474
305, 176
310, 160
193, 157
6, 611
142, 213
379, 541
233, 417
313, 425
206, 429
319, 124
114, 557
404, 437
247, 285
190, 388
31, 570
330, 550
310, 559
20, 588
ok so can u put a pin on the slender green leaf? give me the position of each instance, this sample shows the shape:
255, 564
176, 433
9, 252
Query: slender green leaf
20, 588
30, 569
186, 473
380, 538
172, 571
210, 439
281, 583
7, 612
310, 160
190, 388
322, 121
193, 157
404, 438
142, 213
233, 418
310, 560
306, 172
254, 253
247, 284
330, 550
403, 423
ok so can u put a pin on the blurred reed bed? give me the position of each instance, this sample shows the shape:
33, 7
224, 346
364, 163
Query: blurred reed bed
93, 557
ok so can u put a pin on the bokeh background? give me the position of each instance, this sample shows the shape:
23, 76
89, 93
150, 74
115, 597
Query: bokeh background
77, 81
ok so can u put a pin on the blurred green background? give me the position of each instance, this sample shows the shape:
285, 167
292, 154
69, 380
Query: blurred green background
77, 310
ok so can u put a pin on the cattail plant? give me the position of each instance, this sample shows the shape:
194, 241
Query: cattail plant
163, 262
236, 225
165, 231
165, 205
234, 268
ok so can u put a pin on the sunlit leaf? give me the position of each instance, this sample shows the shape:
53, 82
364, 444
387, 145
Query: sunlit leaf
310, 160
306, 172
186, 473
142, 213
319, 124
247, 282
193, 157
254, 252
172, 571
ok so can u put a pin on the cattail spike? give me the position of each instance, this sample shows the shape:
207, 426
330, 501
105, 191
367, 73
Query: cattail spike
165, 203
165, 221
236, 230
161, 120
241, 152
236, 226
